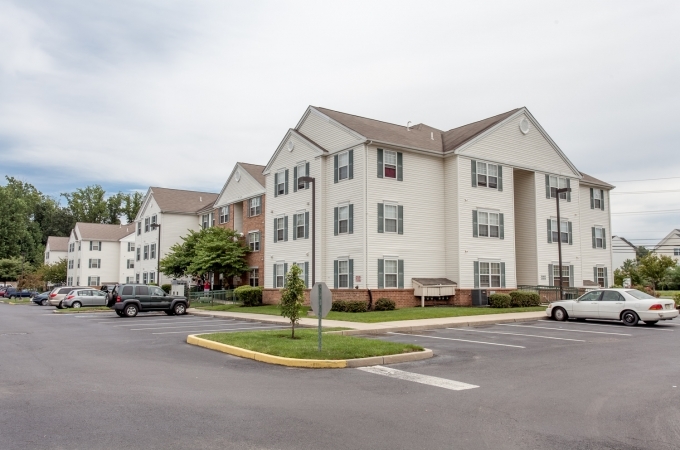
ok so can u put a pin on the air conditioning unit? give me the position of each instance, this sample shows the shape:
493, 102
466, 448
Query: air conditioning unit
480, 297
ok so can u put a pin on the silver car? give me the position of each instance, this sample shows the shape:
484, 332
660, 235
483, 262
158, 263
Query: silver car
84, 297
57, 295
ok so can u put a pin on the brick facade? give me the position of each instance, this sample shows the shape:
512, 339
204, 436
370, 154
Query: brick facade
403, 298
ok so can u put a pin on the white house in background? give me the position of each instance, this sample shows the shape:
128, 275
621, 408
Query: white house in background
474, 205
95, 252
670, 245
56, 249
622, 250
176, 212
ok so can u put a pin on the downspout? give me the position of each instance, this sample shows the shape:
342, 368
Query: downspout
370, 296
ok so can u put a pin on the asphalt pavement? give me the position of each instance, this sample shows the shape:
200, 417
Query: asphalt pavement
97, 381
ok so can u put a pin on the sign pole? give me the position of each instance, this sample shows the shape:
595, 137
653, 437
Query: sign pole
319, 317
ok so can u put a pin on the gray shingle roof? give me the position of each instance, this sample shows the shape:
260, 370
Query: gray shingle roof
180, 201
103, 232
57, 243
456, 137
587, 179
255, 171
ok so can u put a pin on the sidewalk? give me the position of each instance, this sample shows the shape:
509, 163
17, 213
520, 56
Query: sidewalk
381, 327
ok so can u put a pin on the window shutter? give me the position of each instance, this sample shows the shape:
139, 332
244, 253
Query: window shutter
274, 272
571, 276
400, 166
350, 281
595, 274
551, 275
285, 273
335, 221
601, 199
381, 274
568, 192
99, 263
550, 231
476, 273
604, 238
500, 178
606, 278
89, 263
475, 228
380, 163
400, 219
306, 224
335, 274
501, 226
307, 274
350, 227
592, 199
276, 234
276, 186
592, 229
571, 241
100, 244
350, 169
286, 183
400, 268
295, 177
294, 227
335, 168
90, 245
307, 174
285, 229
502, 274
547, 186
473, 165
381, 218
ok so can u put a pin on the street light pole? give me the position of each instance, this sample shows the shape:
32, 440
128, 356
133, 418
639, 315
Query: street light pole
158, 252
559, 238
312, 180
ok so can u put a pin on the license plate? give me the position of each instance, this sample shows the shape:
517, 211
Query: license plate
668, 306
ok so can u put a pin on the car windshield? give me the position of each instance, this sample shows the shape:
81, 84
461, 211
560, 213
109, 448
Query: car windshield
640, 295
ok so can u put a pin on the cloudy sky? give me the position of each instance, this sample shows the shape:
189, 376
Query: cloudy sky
129, 94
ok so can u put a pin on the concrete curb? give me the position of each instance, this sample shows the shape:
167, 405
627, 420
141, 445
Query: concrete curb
308, 363
84, 312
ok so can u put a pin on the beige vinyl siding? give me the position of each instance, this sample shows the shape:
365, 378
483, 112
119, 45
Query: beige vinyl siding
326, 132
124, 255
451, 218
421, 193
238, 190
299, 250
531, 151
591, 257
474, 249
525, 231
621, 251
668, 244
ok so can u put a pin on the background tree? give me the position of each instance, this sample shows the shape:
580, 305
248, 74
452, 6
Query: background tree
630, 269
177, 261
31, 280
641, 252
20, 234
655, 268
88, 204
219, 251
292, 297
10, 269
55, 273
53, 219
131, 204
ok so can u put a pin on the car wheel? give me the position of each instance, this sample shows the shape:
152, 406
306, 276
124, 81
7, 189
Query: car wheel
651, 322
76, 305
60, 306
12, 297
560, 314
180, 309
44, 303
170, 312
119, 312
131, 311
630, 318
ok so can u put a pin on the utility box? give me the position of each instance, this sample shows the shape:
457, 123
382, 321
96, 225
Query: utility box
480, 297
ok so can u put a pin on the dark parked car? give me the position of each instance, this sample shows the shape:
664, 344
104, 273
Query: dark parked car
42, 299
14, 293
129, 299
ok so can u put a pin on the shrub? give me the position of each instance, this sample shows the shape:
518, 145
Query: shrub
500, 300
385, 304
676, 298
339, 306
249, 295
166, 288
524, 298
349, 306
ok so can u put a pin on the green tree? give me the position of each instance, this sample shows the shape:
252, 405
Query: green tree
20, 234
220, 251
88, 204
53, 219
10, 269
655, 268
630, 269
177, 261
55, 273
641, 252
131, 204
292, 297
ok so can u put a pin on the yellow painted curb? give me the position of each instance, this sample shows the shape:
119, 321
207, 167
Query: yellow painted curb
263, 357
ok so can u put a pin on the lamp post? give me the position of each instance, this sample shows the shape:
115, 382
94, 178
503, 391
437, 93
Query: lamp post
559, 237
312, 180
158, 252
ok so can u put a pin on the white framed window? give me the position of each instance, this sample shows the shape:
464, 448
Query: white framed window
301, 172
154, 220
391, 218
254, 241
391, 273
487, 175
95, 264
47, 255
343, 166
676, 251
95, 245
77, 281
70, 264
390, 165
343, 219
489, 274
145, 278
152, 277
488, 224
599, 237
139, 252
280, 229
280, 275
139, 228
565, 275
281, 183
129, 280
147, 224
255, 206
69, 281
558, 183
343, 274
93, 281
597, 199
152, 250
601, 277
564, 230
300, 225
302, 276
131, 246
136, 278
224, 214
130, 263
206, 221
254, 276
146, 252
78, 245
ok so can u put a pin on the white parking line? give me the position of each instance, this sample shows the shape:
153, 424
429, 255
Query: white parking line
214, 331
517, 334
563, 329
163, 323
165, 319
613, 324
213, 324
418, 378
460, 340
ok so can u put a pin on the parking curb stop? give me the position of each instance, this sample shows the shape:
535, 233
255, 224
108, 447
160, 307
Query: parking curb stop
308, 363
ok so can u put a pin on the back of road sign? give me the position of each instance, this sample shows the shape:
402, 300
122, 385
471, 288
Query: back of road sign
326, 299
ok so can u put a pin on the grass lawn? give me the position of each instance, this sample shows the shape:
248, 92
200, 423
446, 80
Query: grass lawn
667, 294
272, 310
84, 309
17, 301
279, 343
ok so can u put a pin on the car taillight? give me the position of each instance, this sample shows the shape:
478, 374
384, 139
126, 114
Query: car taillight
69, 297
53, 295
118, 299
655, 307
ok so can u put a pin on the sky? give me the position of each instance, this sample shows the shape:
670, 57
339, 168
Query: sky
129, 94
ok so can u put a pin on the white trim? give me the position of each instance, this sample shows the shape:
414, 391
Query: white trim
291, 132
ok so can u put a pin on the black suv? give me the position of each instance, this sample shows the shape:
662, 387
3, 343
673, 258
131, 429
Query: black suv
129, 299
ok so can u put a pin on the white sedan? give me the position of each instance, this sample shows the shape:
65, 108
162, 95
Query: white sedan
626, 305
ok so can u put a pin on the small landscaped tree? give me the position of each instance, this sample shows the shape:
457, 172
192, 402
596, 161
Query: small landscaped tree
55, 273
292, 297
177, 261
219, 250
655, 268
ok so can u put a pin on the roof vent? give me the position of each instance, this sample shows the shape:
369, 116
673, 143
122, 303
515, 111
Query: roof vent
432, 135
200, 199
408, 126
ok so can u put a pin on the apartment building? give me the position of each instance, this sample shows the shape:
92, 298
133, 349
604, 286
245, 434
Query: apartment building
670, 245
475, 205
95, 252
56, 249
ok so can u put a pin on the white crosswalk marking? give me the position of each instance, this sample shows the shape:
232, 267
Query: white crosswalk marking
563, 329
418, 378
